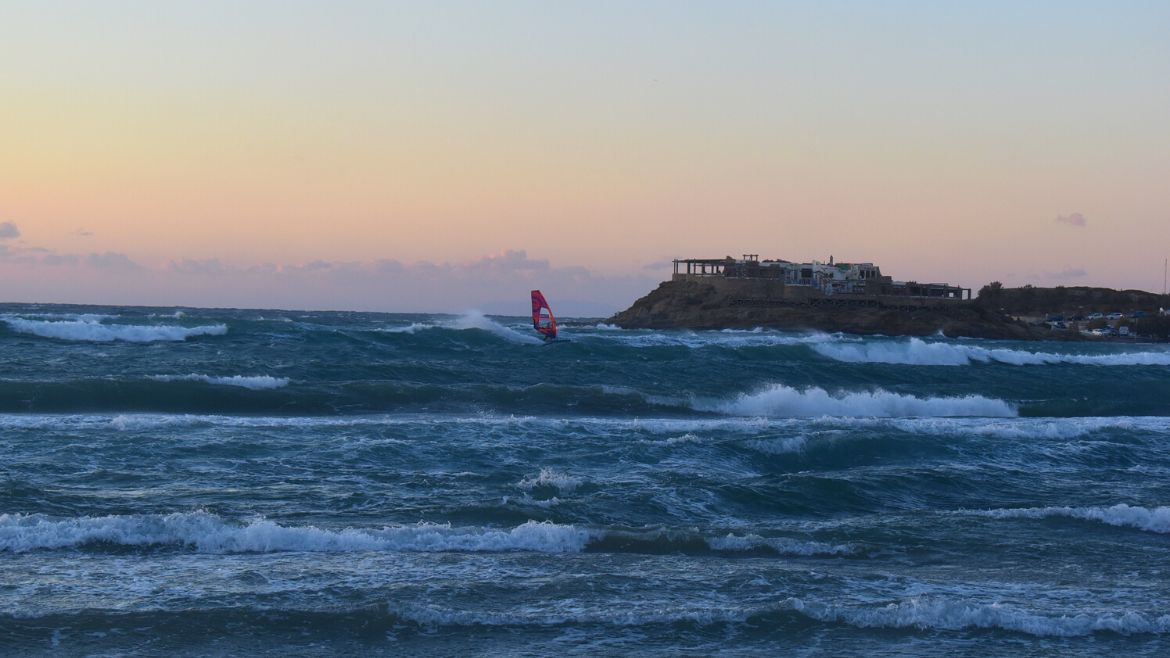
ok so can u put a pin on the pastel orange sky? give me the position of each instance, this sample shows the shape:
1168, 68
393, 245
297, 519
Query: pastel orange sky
215, 154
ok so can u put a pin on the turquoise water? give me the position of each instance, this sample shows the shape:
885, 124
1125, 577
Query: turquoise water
287, 483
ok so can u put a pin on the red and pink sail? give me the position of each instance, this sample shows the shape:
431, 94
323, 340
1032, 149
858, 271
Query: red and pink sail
542, 317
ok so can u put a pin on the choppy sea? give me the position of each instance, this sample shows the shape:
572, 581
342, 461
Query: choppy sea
182, 482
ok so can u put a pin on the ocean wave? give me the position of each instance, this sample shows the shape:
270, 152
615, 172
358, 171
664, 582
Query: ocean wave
919, 352
256, 382
471, 320
1155, 519
413, 327
551, 478
1016, 428
727, 338
631, 613
928, 613
93, 330
209, 533
780, 545
477, 320
785, 401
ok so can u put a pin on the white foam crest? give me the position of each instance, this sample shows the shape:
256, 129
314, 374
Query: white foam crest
782, 446
946, 614
673, 440
551, 478
602, 326
785, 401
477, 320
414, 327
210, 534
732, 338
781, 545
92, 330
1019, 428
1155, 519
255, 382
919, 352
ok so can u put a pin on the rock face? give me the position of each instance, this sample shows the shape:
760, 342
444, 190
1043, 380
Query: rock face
710, 304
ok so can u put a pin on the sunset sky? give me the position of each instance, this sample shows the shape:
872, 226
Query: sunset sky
441, 156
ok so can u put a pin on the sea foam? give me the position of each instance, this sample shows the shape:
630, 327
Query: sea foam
209, 533
918, 352
949, 614
256, 383
785, 401
1155, 519
92, 330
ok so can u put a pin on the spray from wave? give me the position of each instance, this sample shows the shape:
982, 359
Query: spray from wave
93, 330
471, 320
785, 401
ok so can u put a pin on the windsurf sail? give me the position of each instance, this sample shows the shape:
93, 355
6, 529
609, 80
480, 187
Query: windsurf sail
542, 317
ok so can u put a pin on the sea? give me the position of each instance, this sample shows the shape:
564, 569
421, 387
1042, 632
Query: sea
286, 483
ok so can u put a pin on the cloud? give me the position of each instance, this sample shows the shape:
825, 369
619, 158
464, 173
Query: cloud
497, 283
112, 261
1076, 219
508, 262
204, 266
83, 233
60, 259
8, 230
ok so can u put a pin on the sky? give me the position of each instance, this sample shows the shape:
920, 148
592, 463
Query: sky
444, 156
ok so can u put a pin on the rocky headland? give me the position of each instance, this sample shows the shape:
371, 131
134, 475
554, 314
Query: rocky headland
715, 303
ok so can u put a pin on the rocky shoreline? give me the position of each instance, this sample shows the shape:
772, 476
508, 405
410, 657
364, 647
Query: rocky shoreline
696, 304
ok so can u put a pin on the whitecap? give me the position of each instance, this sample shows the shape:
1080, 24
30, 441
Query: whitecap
916, 351
948, 614
551, 478
208, 533
256, 382
94, 331
785, 401
1155, 519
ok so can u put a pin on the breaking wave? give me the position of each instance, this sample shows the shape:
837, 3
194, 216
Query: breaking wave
947, 614
785, 401
209, 533
919, 352
551, 478
91, 329
1143, 518
256, 383
471, 320
477, 320
727, 338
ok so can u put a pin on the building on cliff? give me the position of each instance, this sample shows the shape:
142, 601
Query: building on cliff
816, 278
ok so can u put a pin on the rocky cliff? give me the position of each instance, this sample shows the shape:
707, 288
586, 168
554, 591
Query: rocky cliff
698, 304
